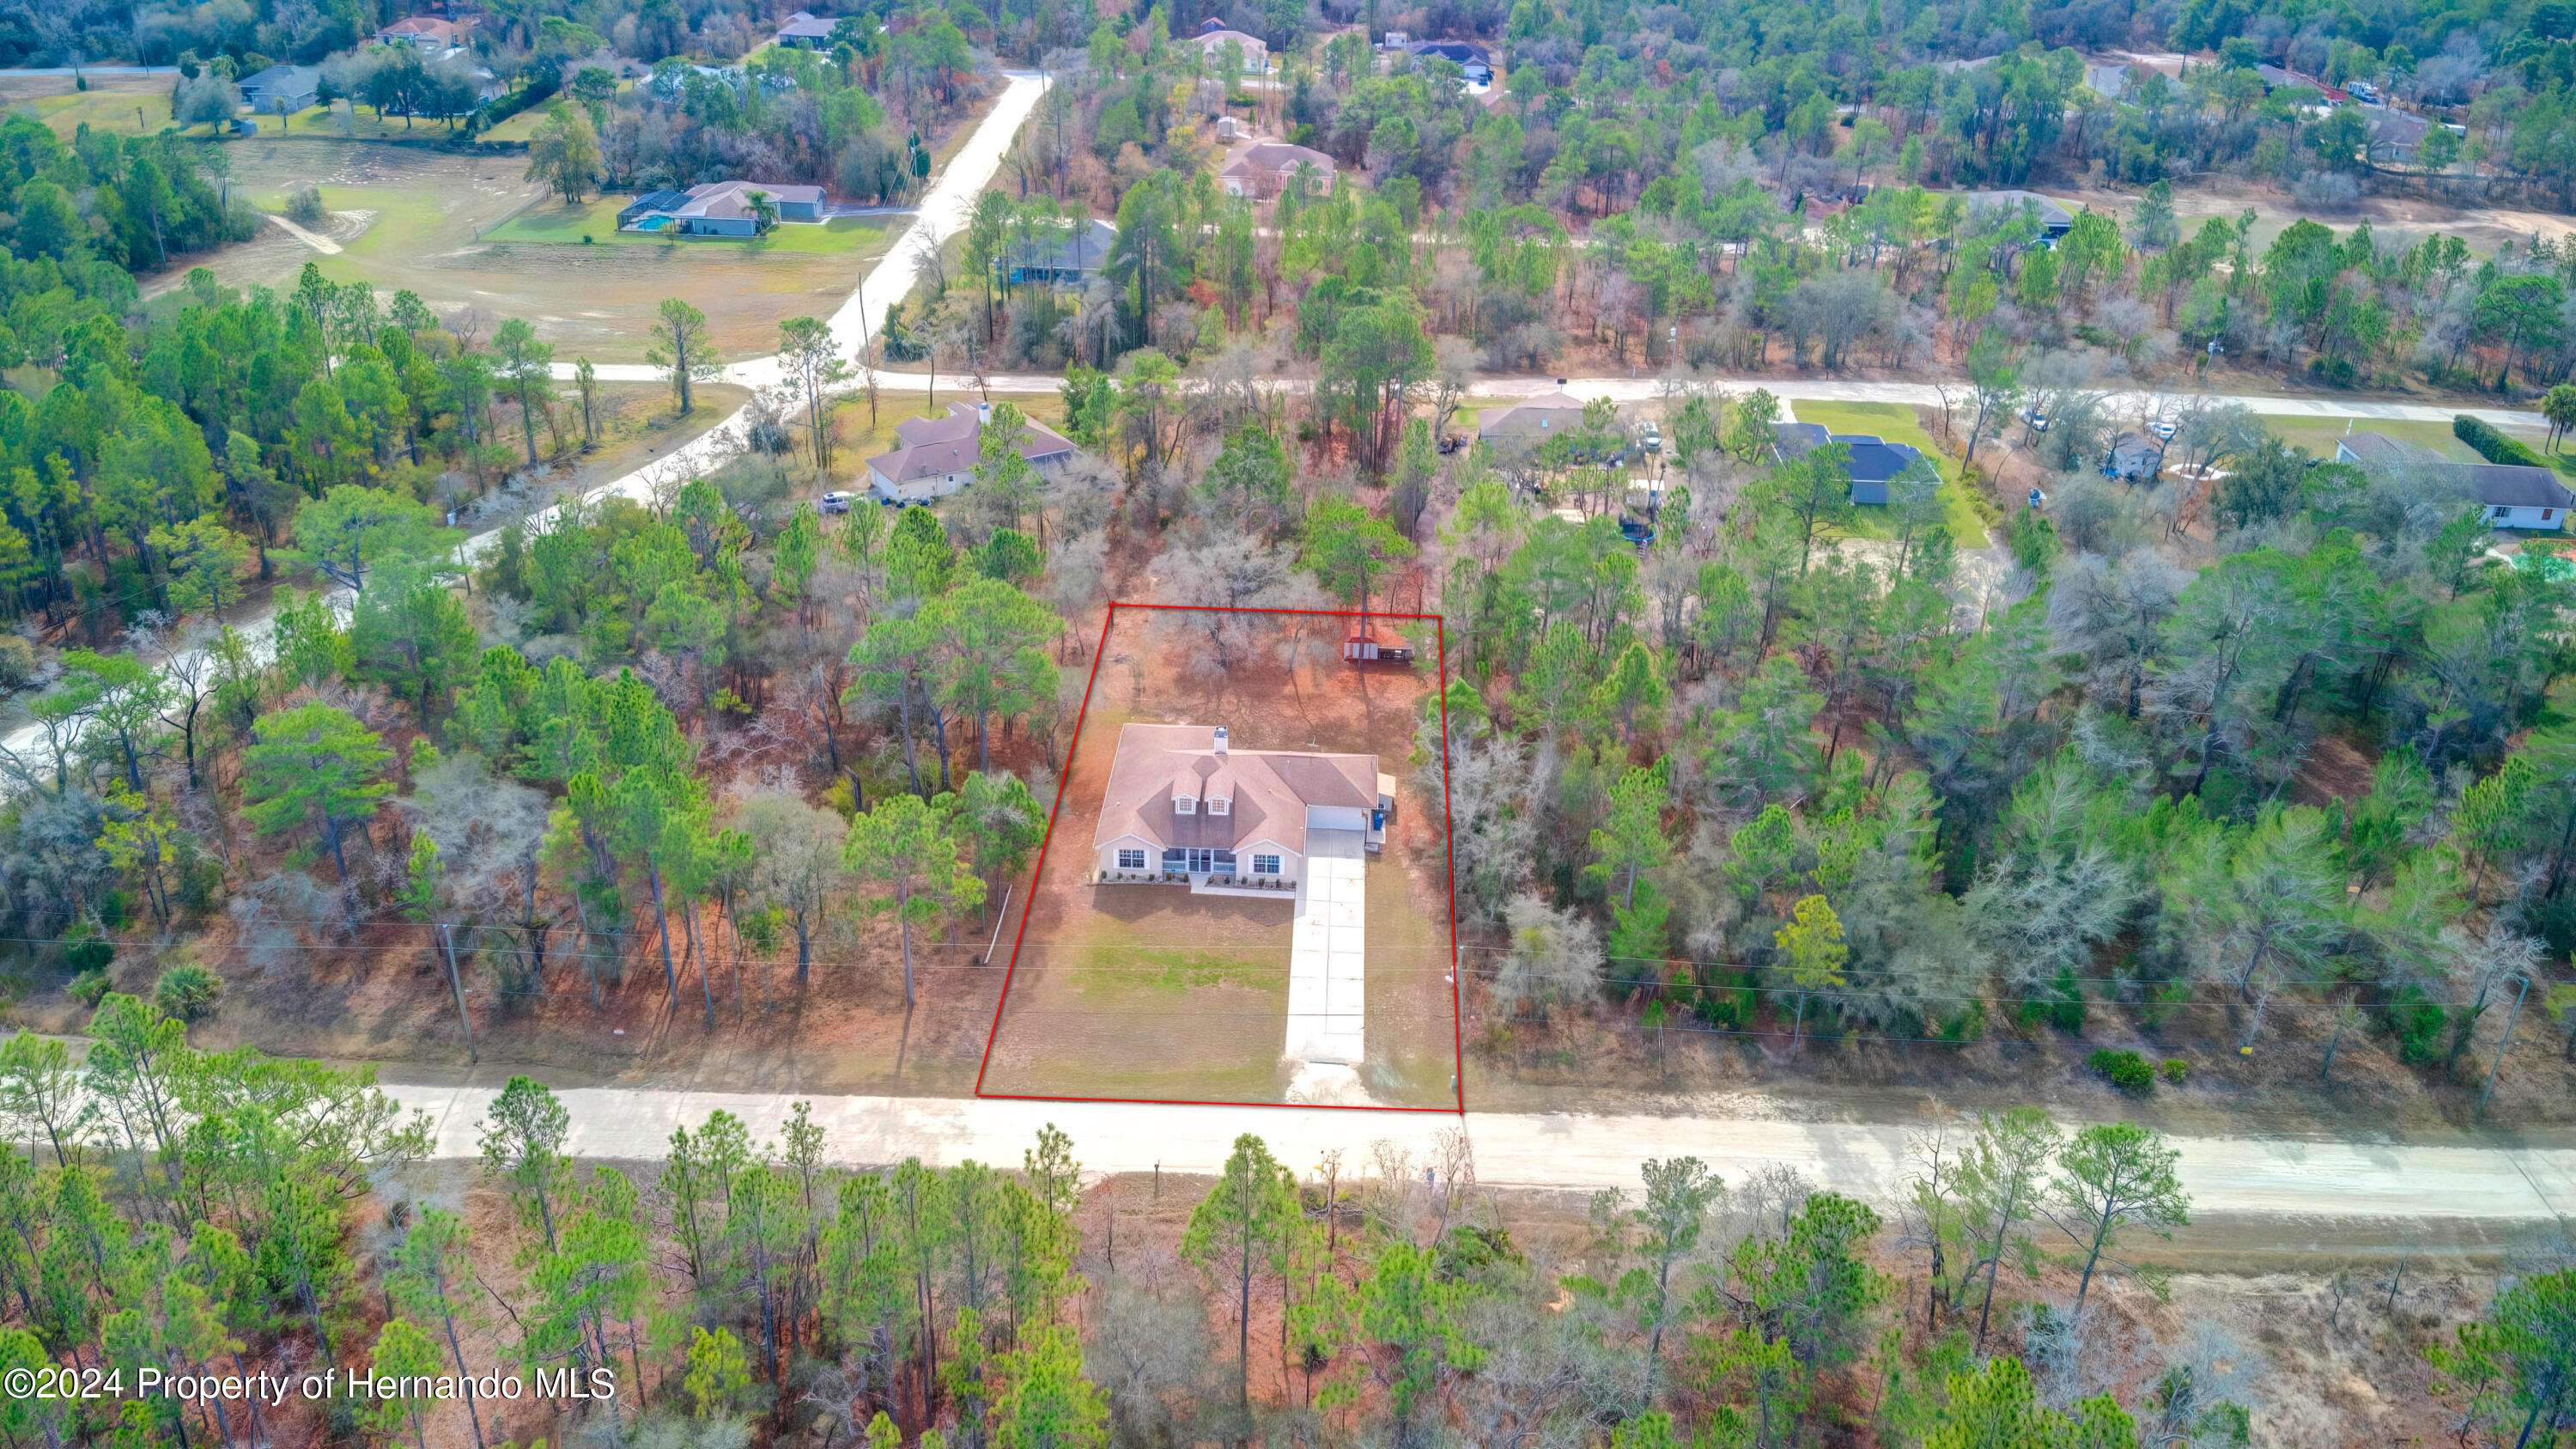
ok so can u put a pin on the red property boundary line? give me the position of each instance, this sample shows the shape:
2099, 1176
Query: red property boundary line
1449, 868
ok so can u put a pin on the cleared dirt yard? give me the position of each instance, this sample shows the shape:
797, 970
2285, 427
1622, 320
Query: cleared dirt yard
419, 218
1137, 990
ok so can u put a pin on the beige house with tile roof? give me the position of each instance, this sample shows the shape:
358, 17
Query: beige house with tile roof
1183, 805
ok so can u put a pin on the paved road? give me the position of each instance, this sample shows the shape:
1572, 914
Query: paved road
763, 372
941, 214
2268, 1178
28, 73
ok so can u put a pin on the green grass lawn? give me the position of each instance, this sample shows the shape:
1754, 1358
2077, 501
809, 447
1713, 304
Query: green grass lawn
123, 111
2318, 435
1897, 423
595, 222
854, 441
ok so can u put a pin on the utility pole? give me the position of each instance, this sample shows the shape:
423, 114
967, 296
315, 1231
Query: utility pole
2521, 989
456, 983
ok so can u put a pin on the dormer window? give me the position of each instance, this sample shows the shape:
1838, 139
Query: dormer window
1185, 805
1220, 805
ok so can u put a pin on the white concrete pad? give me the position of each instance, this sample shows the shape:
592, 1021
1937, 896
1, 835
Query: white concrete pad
1328, 955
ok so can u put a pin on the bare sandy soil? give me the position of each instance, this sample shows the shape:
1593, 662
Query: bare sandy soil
2401, 218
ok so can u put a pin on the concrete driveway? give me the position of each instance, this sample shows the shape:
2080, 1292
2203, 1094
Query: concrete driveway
1328, 953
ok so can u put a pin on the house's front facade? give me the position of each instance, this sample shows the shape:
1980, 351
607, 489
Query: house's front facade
1184, 807
935, 457
718, 208
2511, 495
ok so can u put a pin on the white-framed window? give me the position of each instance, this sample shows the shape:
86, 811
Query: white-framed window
1185, 805
1131, 860
2503, 512
1220, 804
1265, 865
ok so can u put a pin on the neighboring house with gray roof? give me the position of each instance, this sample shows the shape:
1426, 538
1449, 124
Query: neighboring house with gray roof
2053, 219
1064, 259
805, 30
934, 457
1182, 804
1534, 421
718, 208
1874, 462
2513, 495
282, 90
2133, 457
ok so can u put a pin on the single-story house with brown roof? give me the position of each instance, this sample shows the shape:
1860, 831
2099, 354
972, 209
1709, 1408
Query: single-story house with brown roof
934, 457
1183, 805
1261, 170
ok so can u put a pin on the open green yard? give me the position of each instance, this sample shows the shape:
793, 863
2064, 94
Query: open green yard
855, 440
416, 218
2318, 435
595, 223
1897, 423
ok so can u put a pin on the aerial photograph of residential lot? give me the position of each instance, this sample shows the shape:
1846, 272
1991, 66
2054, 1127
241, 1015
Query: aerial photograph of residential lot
1611, 725
1244, 891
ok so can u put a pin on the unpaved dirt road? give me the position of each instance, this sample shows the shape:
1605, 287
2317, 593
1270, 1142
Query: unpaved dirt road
2336, 1185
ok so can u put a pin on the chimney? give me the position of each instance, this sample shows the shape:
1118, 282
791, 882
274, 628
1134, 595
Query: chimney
1220, 739
983, 415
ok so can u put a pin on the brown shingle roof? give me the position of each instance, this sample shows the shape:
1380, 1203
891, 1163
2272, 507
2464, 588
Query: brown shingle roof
1278, 157
1271, 789
928, 447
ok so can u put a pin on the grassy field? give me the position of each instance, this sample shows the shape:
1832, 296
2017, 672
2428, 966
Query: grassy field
1897, 423
2318, 435
595, 222
414, 218
855, 441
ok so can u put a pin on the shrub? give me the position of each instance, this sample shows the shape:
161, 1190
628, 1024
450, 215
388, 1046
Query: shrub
2126, 1070
304, 206
187, 991
89, 953
2326, 191
2418, 1024
88, 987
2494, 446
17, 661
2174, 1070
